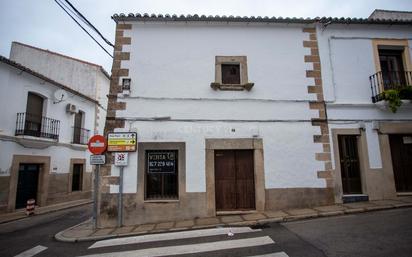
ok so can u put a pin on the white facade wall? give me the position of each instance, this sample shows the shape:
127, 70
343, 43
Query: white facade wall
347, 60
171, 67
13, 100
81, 76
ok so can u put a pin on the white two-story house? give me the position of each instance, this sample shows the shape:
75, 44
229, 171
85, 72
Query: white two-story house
44, 129
227, 116
85, 77
241, 114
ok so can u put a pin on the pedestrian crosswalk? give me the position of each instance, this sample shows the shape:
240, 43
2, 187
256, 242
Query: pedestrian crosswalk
172, 236
194, 243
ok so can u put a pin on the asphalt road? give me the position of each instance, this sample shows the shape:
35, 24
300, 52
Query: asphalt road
382, 233
21, 235
378, 234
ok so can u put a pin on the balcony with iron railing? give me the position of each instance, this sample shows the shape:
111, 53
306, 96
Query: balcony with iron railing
37, 126
80, 135
393, 80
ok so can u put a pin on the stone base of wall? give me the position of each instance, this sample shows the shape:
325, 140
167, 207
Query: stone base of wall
4, 192
193, 205
58, 190
289, 198
61, 198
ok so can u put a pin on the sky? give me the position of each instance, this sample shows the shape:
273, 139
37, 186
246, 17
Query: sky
43, 24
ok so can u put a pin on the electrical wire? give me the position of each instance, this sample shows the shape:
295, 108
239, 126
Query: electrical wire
89, 23
57, 2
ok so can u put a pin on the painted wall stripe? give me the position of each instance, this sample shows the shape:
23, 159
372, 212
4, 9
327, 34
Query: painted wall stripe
171, 236
189, 249
33, 251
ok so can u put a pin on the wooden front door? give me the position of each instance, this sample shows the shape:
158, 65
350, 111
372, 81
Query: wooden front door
349, 164
401, 151
234, 180
28, 179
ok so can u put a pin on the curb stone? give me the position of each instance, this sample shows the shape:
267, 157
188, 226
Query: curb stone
42, 212
60, 237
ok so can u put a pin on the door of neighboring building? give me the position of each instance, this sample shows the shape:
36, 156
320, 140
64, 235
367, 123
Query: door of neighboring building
77, 177
401, 151
34, 112
349, 164
234, 180
27, 184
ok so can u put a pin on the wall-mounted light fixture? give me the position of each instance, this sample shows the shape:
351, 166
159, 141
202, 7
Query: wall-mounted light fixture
126, 83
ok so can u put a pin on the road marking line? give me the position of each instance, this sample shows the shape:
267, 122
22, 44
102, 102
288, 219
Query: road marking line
33, 251
278, 254
189, 249
172, 236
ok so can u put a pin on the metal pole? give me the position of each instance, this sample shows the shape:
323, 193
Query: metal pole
120, 200
95, 195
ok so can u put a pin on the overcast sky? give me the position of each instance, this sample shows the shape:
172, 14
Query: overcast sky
43, 24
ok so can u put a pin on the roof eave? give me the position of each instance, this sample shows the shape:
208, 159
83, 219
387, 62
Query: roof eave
196, 18
42, 77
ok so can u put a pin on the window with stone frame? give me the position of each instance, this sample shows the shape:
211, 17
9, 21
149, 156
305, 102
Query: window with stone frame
231, 73
161, 174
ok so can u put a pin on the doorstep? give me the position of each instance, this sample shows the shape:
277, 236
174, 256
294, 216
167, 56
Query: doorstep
85, 232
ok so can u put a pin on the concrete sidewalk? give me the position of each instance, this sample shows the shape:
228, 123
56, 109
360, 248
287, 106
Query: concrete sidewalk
21, 214
85, 231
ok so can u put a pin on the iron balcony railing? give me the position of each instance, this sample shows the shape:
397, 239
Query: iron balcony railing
80, 135
382, 81
37, 126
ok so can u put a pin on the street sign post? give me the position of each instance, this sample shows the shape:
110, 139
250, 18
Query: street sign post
120, 160
97, 145
121, 142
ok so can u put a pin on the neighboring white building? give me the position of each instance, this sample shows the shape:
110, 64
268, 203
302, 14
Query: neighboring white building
87, 78
44, 130
371, 145
244, 114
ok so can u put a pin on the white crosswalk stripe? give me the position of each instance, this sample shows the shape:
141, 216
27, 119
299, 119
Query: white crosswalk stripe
33, 251
172, 236
189, 242
190, 248
279, 254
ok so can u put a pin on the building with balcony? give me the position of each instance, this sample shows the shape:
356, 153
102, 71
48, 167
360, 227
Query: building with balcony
44, 128
367, 84
87, 78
